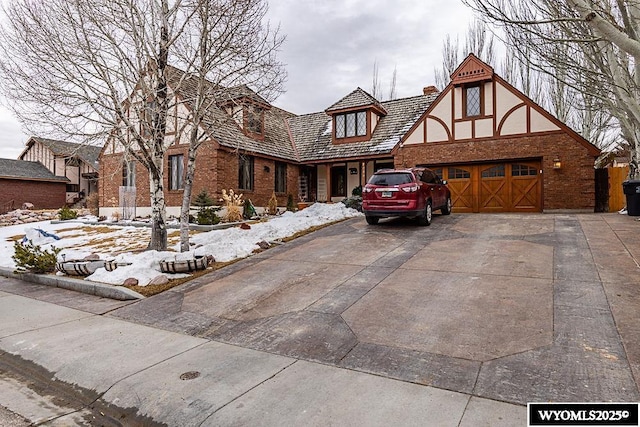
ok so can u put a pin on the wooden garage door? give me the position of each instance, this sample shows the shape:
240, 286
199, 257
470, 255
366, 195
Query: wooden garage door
501, 187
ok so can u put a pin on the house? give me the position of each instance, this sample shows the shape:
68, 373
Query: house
341, 147
77, 162
247, 148
498, 150
30, 182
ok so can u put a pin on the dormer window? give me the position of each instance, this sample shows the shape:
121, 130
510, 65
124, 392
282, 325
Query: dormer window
254, 120
349, 125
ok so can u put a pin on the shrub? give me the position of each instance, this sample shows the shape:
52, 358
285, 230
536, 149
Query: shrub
354, 202
273, 204
66, 213
203, 200
357, 191
232, 202
32, 258
93, 203
208, 216
291, 206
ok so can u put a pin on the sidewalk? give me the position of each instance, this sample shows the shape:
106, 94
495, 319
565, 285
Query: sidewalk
178, 380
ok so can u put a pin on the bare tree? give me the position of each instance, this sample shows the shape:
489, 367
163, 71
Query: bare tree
90, 71
592, 47
392, 84
477, 41
376, 86
230, 48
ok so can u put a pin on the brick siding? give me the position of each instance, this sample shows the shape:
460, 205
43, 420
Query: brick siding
216, 169
43, 195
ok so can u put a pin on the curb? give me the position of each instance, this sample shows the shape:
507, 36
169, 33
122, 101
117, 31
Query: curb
93, 288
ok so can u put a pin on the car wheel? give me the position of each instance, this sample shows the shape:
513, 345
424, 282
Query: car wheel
372, 220
425, 218
446, 210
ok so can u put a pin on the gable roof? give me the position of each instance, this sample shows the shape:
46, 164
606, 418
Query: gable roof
224, 130
356, 99
25, 170
312, 133
472, 69
87, 153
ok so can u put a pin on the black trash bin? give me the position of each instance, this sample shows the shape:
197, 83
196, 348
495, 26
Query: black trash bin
631, 189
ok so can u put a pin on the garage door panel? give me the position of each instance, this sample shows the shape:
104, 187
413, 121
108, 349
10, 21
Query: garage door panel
461, 186
494, 192
493, 196
525, 187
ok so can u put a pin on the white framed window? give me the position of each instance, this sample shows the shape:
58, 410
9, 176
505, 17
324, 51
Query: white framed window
176, 172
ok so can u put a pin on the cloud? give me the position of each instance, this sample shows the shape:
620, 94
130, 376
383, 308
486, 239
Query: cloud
331, 47
12, 139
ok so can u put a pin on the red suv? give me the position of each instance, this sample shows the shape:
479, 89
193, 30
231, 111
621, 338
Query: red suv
415, 192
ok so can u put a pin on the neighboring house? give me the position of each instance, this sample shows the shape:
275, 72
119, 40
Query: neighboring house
498, 150
77, 162
29, 182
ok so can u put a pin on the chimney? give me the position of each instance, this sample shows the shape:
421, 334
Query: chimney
429, 90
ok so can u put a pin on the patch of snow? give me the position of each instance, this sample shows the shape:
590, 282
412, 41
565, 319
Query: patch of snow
388, 144
225, 245
328, 128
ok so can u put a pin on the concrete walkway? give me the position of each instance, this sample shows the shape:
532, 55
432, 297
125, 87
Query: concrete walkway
461, 323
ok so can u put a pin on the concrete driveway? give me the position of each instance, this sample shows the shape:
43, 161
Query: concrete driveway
516, 308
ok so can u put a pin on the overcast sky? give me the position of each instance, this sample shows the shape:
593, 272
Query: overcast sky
331, 47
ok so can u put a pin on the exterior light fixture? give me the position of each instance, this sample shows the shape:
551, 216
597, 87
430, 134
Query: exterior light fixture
557, 164
267, 169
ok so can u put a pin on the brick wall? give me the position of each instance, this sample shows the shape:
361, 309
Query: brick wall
215, 170
571, 187
43, 195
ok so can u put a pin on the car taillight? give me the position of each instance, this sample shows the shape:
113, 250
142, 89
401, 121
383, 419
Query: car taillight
410, 189
367, 189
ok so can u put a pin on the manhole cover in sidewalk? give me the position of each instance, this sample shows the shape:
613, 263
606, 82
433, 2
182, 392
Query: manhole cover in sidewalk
191, 375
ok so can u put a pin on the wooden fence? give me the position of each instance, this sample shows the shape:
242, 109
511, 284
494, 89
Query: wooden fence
617, 199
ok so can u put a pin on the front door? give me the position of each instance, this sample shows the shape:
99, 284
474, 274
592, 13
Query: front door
339, 181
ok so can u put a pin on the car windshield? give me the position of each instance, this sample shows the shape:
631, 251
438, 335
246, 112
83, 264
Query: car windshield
391, 179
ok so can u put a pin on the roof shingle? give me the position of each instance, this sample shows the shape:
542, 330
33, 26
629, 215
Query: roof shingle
22, 169
312, 133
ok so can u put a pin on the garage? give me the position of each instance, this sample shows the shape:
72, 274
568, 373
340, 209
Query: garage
494, 187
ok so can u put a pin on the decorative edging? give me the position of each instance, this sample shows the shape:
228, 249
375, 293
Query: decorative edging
93, 288
197, 263
79, 267
112, 264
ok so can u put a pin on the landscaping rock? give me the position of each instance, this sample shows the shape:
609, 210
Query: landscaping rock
264, 244
131, 281
159, 280
245, 226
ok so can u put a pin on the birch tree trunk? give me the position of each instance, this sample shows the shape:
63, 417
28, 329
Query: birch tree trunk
186, 199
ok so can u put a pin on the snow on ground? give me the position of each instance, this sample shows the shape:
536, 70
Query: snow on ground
78, 240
